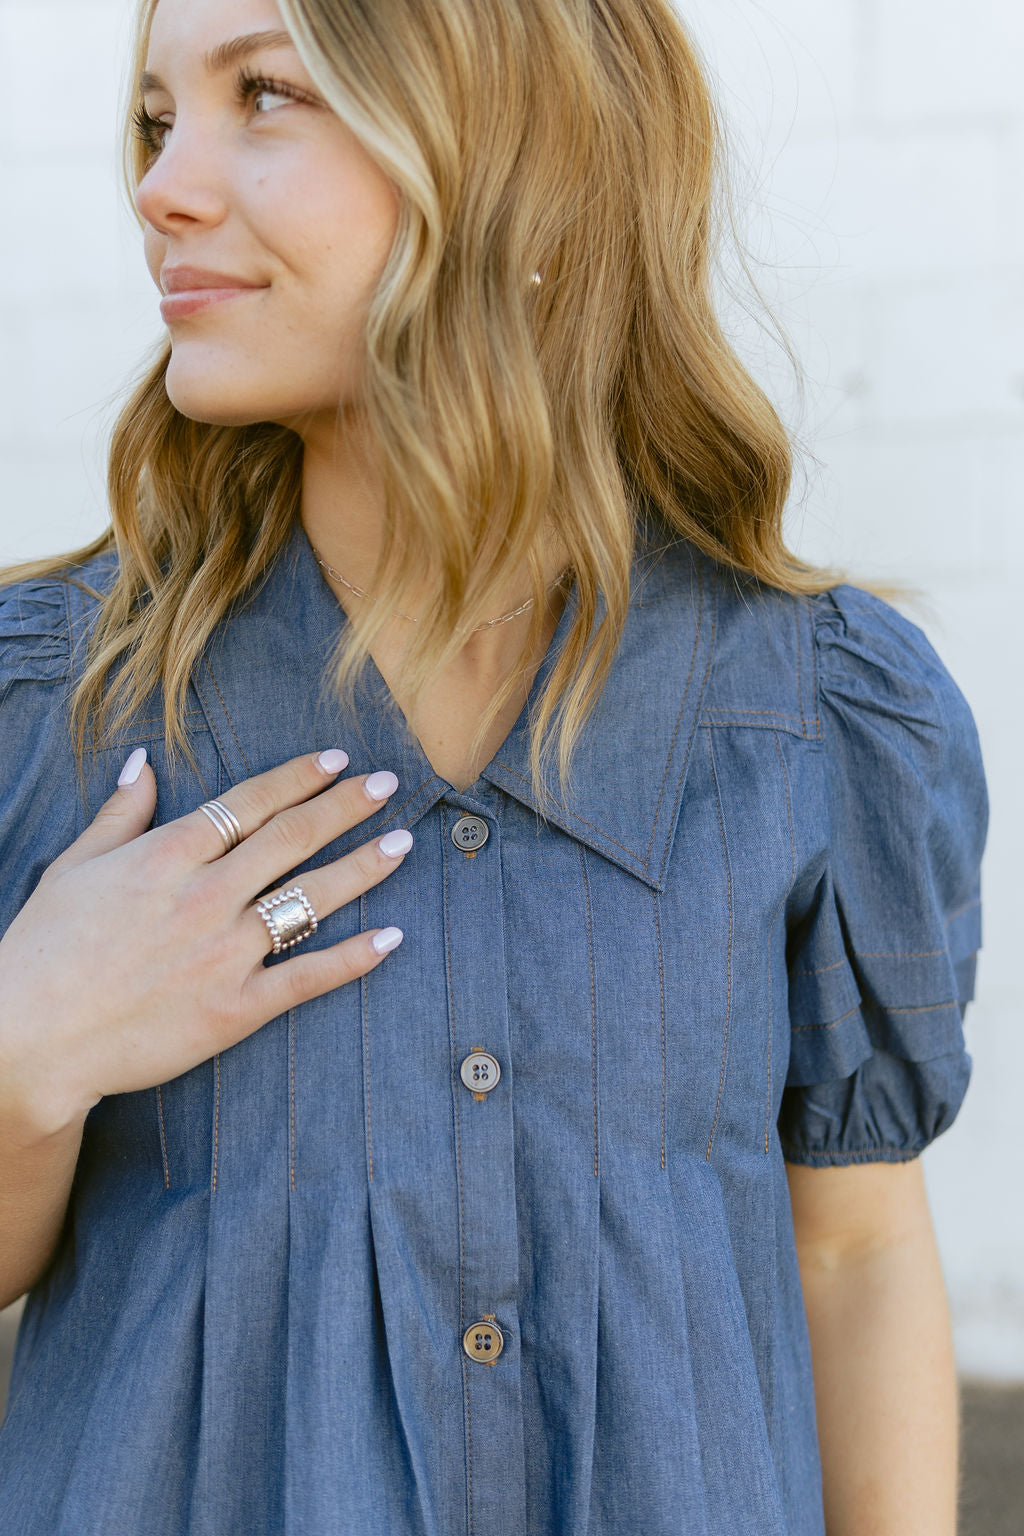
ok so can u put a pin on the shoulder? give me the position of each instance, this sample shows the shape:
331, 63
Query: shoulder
42, 616
40, 809
882, 683
764, 668
856, 630
34, 632
788, 660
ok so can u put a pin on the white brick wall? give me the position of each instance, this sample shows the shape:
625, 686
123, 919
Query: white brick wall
880, 151
885, 147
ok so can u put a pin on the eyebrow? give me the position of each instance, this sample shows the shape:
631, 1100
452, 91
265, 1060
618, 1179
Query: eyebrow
225, 55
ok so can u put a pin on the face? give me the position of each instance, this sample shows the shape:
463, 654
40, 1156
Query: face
259, 185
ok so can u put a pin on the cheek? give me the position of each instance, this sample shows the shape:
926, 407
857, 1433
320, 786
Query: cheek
342, 226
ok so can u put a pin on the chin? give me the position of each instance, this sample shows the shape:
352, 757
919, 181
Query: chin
218, 407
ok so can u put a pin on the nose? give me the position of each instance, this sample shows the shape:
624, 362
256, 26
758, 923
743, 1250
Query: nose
183, 185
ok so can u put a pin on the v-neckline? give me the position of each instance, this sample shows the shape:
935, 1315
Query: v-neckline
382, 689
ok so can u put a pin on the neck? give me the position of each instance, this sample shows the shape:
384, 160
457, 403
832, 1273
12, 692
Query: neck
342, 514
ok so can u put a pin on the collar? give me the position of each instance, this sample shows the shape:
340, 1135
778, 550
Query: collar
260, 685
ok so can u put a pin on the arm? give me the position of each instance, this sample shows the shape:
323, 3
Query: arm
37, 1167
881, 1348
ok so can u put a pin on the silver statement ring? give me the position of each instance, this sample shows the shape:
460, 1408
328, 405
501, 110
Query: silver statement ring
226, 822
289, 918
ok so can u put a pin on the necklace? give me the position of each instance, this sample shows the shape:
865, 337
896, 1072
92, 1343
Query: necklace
501, 619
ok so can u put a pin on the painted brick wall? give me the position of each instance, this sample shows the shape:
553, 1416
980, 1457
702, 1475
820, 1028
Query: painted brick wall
879, 152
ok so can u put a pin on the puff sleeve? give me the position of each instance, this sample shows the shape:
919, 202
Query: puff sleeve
882, 960
39, 801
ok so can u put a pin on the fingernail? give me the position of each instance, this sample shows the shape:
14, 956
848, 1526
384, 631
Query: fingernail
333, 760
394, 843
380, 785
388, 938
133, 767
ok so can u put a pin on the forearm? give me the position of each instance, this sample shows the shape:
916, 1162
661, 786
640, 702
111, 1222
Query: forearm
885, 1387
37, 1168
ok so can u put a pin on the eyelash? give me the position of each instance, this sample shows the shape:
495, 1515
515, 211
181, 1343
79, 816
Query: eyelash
148, 128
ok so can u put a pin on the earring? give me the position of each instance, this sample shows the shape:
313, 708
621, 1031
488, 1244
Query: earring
536, 277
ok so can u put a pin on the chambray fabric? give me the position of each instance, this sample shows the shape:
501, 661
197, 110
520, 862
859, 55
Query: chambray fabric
746, 934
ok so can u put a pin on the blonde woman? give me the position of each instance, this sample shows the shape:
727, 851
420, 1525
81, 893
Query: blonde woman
486, 928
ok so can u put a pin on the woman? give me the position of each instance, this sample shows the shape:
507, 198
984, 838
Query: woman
597, 1206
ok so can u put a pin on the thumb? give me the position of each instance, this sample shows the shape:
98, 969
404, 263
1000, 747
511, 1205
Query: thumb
124, 816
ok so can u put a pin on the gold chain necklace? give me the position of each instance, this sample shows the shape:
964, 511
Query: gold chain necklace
501, 619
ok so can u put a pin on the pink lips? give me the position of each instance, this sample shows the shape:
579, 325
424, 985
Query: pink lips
187, 290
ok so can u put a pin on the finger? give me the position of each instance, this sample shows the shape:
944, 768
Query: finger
332, 886
254, 802
273, 989
293, 836
123, 816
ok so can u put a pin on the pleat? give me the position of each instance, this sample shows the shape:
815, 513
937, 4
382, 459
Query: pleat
738, 1473
346, 1412
130, 1464
649, 1476
240, 1458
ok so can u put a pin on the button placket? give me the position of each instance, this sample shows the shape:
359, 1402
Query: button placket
485, 1296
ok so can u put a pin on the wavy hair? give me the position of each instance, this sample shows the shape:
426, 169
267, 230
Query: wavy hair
580, 137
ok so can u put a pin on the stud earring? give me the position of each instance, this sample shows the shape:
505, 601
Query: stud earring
536, 277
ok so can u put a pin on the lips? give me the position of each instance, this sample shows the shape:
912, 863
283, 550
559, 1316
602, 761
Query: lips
182, 279
196, 290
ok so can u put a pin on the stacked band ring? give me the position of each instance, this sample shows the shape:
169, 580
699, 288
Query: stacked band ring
225, 821
289, 917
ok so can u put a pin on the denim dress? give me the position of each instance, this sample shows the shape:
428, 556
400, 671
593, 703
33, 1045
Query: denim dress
497, 1238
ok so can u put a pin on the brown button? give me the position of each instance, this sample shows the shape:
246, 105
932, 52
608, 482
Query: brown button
483, 1341
480, 1072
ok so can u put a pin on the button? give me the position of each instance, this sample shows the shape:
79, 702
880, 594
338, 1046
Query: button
480, 1071
483, 1341
470, 832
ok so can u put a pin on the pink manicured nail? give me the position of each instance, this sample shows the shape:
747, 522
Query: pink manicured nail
133, 767
388, 938
396, 842
333, 760
380, 785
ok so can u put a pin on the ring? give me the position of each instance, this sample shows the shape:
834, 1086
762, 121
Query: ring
289, 917
225, 821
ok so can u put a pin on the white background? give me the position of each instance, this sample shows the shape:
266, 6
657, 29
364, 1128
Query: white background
879, 151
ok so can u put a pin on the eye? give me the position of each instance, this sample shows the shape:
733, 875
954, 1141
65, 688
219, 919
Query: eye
248, 86
149, 130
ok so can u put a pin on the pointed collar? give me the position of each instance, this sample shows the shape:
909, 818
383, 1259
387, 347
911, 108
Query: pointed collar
260, 685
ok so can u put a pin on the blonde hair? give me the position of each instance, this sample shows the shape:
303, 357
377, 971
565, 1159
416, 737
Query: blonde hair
577, 137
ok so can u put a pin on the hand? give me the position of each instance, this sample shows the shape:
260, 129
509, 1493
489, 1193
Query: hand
140, 953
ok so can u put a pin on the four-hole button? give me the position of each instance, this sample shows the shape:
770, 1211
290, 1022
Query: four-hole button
484, 1341
480, 1071
470, 833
